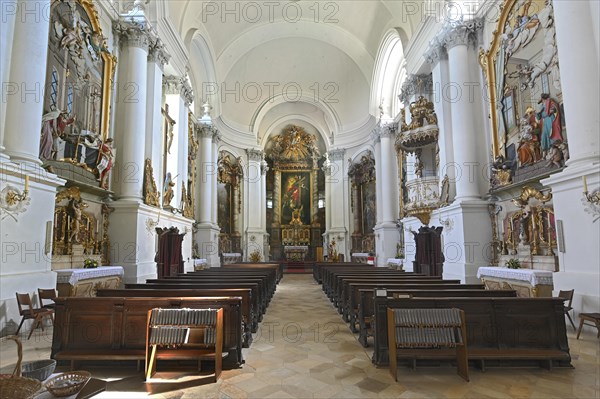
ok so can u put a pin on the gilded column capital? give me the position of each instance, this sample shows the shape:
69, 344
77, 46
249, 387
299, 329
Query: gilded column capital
133, 34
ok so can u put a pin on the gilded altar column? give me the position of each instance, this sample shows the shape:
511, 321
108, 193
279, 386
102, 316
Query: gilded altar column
314, 196
277, 199
456, 40
130, 129
23, 93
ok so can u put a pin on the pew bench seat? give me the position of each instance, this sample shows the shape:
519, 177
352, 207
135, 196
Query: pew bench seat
74, 355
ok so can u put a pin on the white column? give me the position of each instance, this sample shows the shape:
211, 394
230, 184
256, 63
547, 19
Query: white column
576, 33
216, 138
388, 178
338, 201
327, 171
157, 58
378, 174
264, 168
579, 80
131, 112
463, 112
175, 103
24, 92
6, 45
437, 57
254, 178
205, 173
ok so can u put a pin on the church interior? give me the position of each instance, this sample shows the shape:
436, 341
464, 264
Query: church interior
295, 199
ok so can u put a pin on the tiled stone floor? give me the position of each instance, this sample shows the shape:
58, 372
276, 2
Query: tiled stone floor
304, 350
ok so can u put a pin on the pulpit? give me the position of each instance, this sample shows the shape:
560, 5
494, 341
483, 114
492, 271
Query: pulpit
526, 282
85, 282
295, 253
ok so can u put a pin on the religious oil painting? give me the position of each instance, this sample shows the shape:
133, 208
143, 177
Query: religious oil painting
523, 73
295, 196
77, 93
224, 213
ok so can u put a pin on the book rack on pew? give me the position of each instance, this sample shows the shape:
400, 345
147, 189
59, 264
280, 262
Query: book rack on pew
184, 334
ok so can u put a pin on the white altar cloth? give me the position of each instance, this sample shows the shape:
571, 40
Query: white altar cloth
72, 276
534, 277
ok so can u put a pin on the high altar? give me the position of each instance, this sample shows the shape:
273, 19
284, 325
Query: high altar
295, 229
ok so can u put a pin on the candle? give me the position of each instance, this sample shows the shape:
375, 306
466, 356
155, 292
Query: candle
26, 183
585, 188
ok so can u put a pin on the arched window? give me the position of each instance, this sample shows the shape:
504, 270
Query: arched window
54, 88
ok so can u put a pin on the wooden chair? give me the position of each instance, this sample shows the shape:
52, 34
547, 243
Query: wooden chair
568, 296
593, 317
49, 294
27, 311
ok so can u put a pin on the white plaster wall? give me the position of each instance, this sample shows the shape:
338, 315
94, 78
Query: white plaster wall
25, 263
134, 246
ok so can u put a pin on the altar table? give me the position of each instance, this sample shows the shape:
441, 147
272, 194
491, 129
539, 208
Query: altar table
85, 282
526, 282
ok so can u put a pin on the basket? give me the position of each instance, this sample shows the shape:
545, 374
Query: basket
16, 386
39, 369
69, 383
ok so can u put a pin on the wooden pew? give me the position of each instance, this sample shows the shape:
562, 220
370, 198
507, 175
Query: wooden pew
270, 274
244, 293
258, 303
115, 328
319, 267
265, 292
267, 265
504, 332
344, 297
366, 304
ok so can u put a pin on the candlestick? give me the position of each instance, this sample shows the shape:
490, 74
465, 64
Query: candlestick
26, 183
585, 187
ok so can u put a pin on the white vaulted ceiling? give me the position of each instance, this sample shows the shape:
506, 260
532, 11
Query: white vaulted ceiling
263, 54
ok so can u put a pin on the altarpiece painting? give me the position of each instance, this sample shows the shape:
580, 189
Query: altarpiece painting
521, 66
77, 98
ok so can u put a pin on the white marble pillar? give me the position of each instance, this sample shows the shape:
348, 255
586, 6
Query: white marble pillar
6, 45
386, 233
157, 59
576, 34
327, 171
205, 174
437, 57
207, 229
24, 91
254, 231
456, 39
130, 134
216, 139
579, 80
339, 205
378, 174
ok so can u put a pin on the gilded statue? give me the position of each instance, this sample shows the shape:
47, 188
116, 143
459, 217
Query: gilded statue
150, 191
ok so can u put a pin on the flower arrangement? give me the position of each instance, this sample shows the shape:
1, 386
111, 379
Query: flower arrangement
255, 256
399, 251
90, 263
513, 263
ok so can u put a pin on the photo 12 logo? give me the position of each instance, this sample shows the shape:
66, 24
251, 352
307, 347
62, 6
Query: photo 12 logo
258, 92
269, 11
